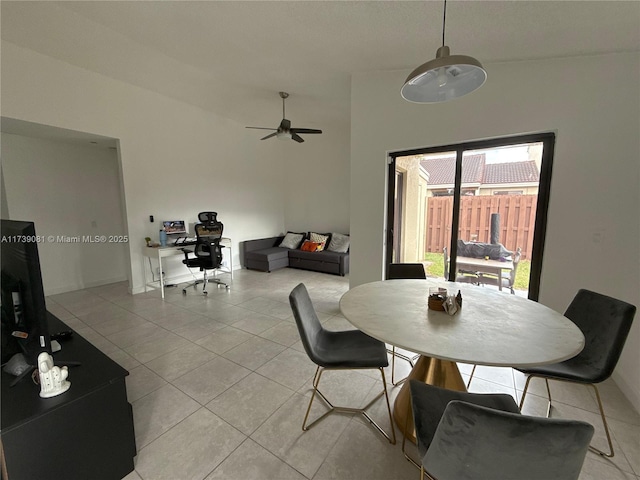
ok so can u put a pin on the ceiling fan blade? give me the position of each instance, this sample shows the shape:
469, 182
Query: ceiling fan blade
269, 136
305, 130
262, 128
296, 137
285, 124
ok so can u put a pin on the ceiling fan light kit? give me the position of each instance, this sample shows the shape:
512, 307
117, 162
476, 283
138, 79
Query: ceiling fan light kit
444, 78
284, 130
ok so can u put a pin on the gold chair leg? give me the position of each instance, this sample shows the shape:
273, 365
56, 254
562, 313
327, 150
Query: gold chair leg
471, 376
394, 354
404, 451
600, 408
386, 397
363, 411
524, 392
316, 381
546, 381
606, 427
393, 364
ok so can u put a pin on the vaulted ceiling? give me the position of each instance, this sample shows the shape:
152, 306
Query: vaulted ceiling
233, 57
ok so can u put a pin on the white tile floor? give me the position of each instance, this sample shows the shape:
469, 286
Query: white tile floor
219, 385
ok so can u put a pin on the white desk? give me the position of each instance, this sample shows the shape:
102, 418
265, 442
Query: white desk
489, 329
162, 252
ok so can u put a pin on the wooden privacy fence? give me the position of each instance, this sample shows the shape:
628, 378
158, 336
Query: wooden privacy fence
517, 221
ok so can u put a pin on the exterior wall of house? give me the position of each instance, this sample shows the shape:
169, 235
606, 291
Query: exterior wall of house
492, 189
412, 208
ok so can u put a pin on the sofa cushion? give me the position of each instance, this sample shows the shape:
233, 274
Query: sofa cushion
292, 240
321, 238
324, 256
339, 243
309, 246
268, 254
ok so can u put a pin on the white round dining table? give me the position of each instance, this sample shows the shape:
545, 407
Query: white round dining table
491, 328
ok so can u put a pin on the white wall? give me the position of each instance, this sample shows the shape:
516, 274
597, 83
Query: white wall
317, 181
68, 191
593, 105
176, 159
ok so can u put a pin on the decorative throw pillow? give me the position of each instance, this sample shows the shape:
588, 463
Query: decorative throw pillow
309, 246
292, 240
339, 243
319, 239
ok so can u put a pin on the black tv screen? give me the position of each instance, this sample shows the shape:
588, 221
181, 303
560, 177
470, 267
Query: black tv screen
24, 311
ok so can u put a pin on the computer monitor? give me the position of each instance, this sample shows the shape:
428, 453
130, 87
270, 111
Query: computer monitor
24, 311
174, 227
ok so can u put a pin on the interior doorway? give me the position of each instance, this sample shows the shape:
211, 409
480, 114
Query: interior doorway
473, 212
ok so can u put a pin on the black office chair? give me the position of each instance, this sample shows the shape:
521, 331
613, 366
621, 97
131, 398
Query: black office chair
398, 271
208, 251
474, 442
351, 349
429, 402
605, 323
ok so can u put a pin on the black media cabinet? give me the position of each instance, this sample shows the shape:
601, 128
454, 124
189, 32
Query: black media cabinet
84, 433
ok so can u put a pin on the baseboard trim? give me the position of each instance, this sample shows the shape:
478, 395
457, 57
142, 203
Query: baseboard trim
82, 285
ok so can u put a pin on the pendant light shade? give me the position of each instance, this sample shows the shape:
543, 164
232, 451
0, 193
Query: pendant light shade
444, 78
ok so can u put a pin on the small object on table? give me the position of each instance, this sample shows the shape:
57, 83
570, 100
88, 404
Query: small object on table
53, 379
64, 335
459, 299
163, 238
450, 305
437, 297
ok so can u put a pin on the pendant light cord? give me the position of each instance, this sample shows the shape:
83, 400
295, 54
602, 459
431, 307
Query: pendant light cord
444, 18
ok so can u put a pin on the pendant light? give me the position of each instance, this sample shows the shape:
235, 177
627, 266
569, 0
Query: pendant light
444, 78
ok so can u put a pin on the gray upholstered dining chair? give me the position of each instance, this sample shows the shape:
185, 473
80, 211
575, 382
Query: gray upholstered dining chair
350, 349
605, 323
475, 442
429, 402
398, 271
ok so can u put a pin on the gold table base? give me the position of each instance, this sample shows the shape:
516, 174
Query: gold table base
441, 373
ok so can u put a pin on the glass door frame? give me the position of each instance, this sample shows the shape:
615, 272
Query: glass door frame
544, 189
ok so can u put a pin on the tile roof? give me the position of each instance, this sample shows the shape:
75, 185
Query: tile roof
475, 170
442, 170
515, 172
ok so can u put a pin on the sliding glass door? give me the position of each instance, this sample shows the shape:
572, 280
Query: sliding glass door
473, 212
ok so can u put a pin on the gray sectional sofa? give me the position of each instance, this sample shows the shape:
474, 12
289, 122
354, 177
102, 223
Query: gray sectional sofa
266, 255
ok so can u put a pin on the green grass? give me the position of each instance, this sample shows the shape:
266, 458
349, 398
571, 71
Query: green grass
436, 269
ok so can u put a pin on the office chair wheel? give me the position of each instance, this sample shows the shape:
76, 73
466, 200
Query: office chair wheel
205, 293
184, 291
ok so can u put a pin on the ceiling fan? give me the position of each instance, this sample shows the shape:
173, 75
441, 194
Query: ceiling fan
284, 130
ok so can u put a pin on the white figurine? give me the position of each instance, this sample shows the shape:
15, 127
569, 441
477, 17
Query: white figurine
53, 379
